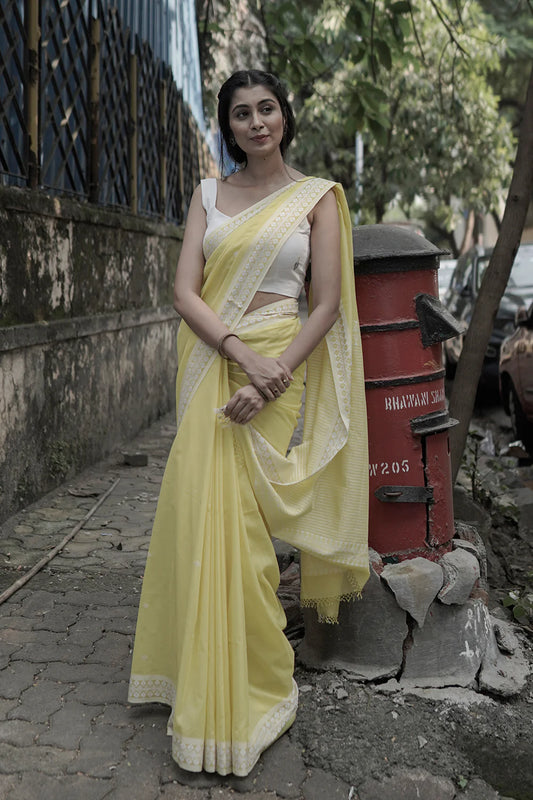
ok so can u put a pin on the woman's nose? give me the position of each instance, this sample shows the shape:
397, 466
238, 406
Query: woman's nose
257, 122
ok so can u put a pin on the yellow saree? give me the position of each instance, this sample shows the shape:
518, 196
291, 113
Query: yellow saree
209, 640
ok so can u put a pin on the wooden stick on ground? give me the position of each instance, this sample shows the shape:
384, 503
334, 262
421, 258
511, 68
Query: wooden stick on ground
49, 556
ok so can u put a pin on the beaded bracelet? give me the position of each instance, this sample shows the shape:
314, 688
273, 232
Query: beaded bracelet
221, 342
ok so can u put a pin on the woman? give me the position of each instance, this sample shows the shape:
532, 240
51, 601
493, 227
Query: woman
209, 639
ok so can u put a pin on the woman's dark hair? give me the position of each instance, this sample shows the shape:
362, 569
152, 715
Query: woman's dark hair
241, 80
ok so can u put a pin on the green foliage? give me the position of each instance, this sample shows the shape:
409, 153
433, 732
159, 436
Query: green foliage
411, 80
511, 25
520, 601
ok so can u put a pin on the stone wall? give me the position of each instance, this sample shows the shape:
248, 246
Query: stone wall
87, 336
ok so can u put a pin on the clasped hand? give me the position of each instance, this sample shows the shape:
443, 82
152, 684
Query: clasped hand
244, 405
270, 376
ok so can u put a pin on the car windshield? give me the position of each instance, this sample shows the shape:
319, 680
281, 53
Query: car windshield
521, 273
445, 273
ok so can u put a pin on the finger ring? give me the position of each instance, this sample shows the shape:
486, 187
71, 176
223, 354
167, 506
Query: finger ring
285, 382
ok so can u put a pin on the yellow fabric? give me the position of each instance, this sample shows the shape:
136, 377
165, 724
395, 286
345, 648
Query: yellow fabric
209, 639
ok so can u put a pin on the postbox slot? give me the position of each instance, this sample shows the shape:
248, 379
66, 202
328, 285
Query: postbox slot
405, 494
404, 325
434, 422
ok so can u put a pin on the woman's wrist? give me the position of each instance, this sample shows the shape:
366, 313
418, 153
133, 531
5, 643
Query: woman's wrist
234, 348
221, 342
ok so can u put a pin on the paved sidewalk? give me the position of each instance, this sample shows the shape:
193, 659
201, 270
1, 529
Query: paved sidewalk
67, 732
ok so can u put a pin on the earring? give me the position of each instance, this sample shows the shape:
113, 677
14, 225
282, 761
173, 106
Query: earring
232, 141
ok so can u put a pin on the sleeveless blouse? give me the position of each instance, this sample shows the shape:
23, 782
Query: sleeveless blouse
286, 275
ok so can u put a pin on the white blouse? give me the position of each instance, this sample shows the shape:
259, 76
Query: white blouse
286, 275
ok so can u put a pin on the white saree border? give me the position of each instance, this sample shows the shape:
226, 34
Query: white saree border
238, 758
196, 755
251, 258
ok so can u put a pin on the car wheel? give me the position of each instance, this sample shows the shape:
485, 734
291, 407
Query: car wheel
522, 427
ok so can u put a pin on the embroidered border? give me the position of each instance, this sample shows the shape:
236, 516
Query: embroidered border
238, 758
196, 755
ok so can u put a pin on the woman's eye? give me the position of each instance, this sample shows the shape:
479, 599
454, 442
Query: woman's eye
266, 109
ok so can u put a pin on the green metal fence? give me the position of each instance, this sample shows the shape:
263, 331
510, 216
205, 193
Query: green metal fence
87, 110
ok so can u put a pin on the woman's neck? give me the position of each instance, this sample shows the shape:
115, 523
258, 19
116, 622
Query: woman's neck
266, 171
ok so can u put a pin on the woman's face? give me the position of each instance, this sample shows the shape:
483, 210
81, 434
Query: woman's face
256, 120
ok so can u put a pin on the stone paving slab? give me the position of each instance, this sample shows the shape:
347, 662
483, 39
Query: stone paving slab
66, 729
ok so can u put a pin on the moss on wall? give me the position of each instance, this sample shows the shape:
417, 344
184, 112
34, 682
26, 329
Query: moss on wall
60, 258
87, 336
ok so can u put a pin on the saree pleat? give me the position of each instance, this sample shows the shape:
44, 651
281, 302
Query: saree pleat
209, 641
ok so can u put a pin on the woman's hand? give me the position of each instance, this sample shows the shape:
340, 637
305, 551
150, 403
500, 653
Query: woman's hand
244, 405
269, 375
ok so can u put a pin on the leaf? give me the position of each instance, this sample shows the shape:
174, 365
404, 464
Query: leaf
313, 55
372, 100
384, 53
378, 131
354, 19
300, 20
401, 7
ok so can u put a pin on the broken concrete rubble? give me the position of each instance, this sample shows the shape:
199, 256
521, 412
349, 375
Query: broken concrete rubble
423, 624
461, 571
349, 646
449, 650
415, 584
476, 546
503, 672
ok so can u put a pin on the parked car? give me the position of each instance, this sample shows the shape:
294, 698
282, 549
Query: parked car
462, 294
446, 269
516, 377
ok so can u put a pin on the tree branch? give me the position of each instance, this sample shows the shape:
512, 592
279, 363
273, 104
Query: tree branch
493, 286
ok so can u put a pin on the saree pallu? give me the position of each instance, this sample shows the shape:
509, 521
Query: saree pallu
209, 640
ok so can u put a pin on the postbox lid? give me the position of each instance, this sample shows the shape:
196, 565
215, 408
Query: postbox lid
386, 241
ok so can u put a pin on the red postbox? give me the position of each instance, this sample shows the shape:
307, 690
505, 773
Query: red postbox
403, 325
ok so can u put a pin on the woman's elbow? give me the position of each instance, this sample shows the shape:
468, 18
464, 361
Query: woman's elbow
180, 303
332, 311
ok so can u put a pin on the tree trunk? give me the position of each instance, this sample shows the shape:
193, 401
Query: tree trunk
493, 286
468, 236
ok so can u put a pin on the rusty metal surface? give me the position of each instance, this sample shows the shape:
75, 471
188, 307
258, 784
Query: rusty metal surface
436, 322
373, 243
402, 329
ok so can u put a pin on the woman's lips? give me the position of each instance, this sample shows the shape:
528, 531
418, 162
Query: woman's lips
260, 138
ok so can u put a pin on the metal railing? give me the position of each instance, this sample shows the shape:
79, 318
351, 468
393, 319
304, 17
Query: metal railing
88, 110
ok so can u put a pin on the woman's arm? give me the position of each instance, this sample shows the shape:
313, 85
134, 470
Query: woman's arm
326, 282
265, 373
325, 254
189, 275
